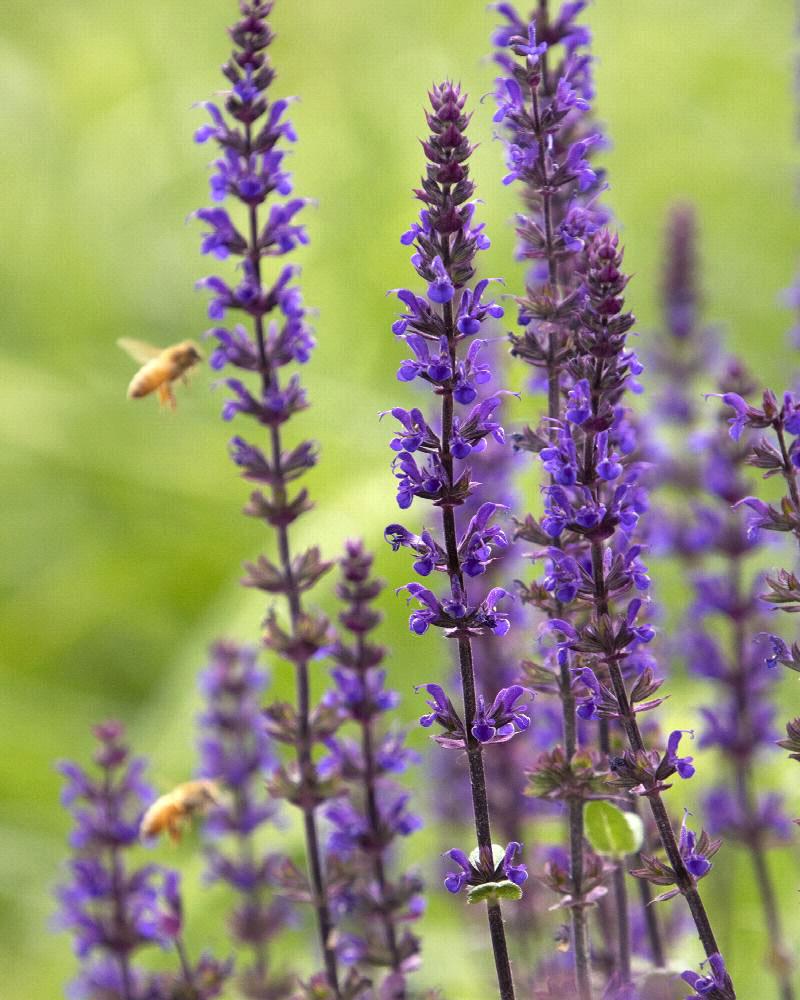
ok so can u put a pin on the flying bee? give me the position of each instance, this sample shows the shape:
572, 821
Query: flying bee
172, 811
160, 367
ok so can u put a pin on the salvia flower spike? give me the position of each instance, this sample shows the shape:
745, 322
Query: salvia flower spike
432, 459
113, 908
251, 131
365, 828
543, 99
235, 751
602, 515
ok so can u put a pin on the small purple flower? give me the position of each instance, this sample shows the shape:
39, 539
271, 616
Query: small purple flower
476, 870
697, 863
504, 718
778, 650
716, 984
440, 290
529, 47
442, 711
587, 706
683, 765
579, 403
564, 577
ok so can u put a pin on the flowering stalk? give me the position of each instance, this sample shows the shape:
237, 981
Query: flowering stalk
434, 328
711, 475
251, 169
684, 347
545, 112
115, 910
236, 752
365, 827
602, 509
741, 722
778, 456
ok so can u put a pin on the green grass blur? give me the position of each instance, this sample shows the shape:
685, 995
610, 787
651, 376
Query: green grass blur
120, 531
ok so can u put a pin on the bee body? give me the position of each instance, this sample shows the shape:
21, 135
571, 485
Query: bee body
160, 368
169, 813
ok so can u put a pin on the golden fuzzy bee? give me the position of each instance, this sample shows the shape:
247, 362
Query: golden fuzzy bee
160, 367
170, 813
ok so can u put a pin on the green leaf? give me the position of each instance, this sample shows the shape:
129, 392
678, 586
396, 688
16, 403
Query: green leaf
493, 892
611, 831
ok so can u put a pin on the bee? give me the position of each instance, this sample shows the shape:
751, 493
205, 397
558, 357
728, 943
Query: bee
160, 367
172, 811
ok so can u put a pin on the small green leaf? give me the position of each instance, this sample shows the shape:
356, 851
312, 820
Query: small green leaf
508, 890
493, 892
611, 831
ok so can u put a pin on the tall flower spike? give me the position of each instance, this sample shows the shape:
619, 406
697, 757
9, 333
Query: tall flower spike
684, 346
366, 828
603, 514
543, 107
113, 909
235, 751
250, 132
741, 720
445, 241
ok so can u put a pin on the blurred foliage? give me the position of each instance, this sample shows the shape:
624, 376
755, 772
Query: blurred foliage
120, 528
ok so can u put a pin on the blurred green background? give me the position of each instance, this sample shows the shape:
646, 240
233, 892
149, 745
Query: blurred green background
120, 531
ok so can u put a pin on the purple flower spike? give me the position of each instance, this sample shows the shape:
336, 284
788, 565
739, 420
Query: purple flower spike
112, 908
435, 449
260, 222
367, 822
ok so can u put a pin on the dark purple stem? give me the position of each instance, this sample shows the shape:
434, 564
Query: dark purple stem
683, 880
744, 791
302, 688
120, 923
186, 969
580, 926
373, 818
652, 924
477, 776
623, 925
246, 854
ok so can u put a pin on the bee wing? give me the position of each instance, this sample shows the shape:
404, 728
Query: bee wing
139, 350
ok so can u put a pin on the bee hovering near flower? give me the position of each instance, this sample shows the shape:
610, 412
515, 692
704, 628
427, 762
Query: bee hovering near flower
160, 367
170, 812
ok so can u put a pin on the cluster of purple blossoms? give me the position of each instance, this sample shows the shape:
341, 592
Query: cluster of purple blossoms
741, 722
684, 346
250, 132
446, 240
708, 531
112, 908
575, 331
544, 105
365, 824
235, 751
